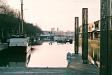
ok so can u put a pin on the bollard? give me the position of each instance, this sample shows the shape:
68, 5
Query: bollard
69, 57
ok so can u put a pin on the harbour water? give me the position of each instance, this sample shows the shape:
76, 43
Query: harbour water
46, 55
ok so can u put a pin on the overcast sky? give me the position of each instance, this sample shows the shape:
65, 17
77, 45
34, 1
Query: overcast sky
57, 13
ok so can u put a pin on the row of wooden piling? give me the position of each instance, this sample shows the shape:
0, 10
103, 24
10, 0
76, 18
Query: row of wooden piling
105, 36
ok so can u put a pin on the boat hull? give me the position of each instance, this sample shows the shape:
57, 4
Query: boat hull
15, 54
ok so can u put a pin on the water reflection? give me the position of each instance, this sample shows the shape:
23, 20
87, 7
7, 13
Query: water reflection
50, 55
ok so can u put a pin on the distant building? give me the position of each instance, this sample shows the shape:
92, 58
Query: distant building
93, 30
55, 35
46, 35
96, 31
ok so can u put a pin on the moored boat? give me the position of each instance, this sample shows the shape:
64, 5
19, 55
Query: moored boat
18, 52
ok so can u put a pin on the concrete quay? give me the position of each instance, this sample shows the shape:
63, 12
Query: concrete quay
83, 69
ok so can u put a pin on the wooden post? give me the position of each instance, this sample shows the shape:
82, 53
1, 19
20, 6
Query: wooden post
85, 35
76, 35
106, 38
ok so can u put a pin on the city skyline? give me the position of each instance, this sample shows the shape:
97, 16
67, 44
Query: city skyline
57, 13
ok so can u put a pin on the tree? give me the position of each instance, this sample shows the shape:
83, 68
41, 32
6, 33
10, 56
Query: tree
10, 23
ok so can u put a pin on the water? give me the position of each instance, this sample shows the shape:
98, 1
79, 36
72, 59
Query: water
50, 55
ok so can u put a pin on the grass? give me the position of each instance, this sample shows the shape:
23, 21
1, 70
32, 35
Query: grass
94, 43
93, 48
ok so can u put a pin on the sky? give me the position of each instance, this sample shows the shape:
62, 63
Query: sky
60, 14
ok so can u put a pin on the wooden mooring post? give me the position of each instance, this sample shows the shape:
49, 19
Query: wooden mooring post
85, 35
76, 42
106, 38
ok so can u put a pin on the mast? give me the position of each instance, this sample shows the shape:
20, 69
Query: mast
22, 17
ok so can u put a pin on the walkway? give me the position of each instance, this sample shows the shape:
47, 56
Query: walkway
41, 71
37, 71
82, 69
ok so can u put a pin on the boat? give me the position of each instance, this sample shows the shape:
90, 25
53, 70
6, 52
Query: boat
19, 50
36, 41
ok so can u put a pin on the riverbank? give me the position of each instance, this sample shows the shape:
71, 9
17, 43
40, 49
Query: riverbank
93, 50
